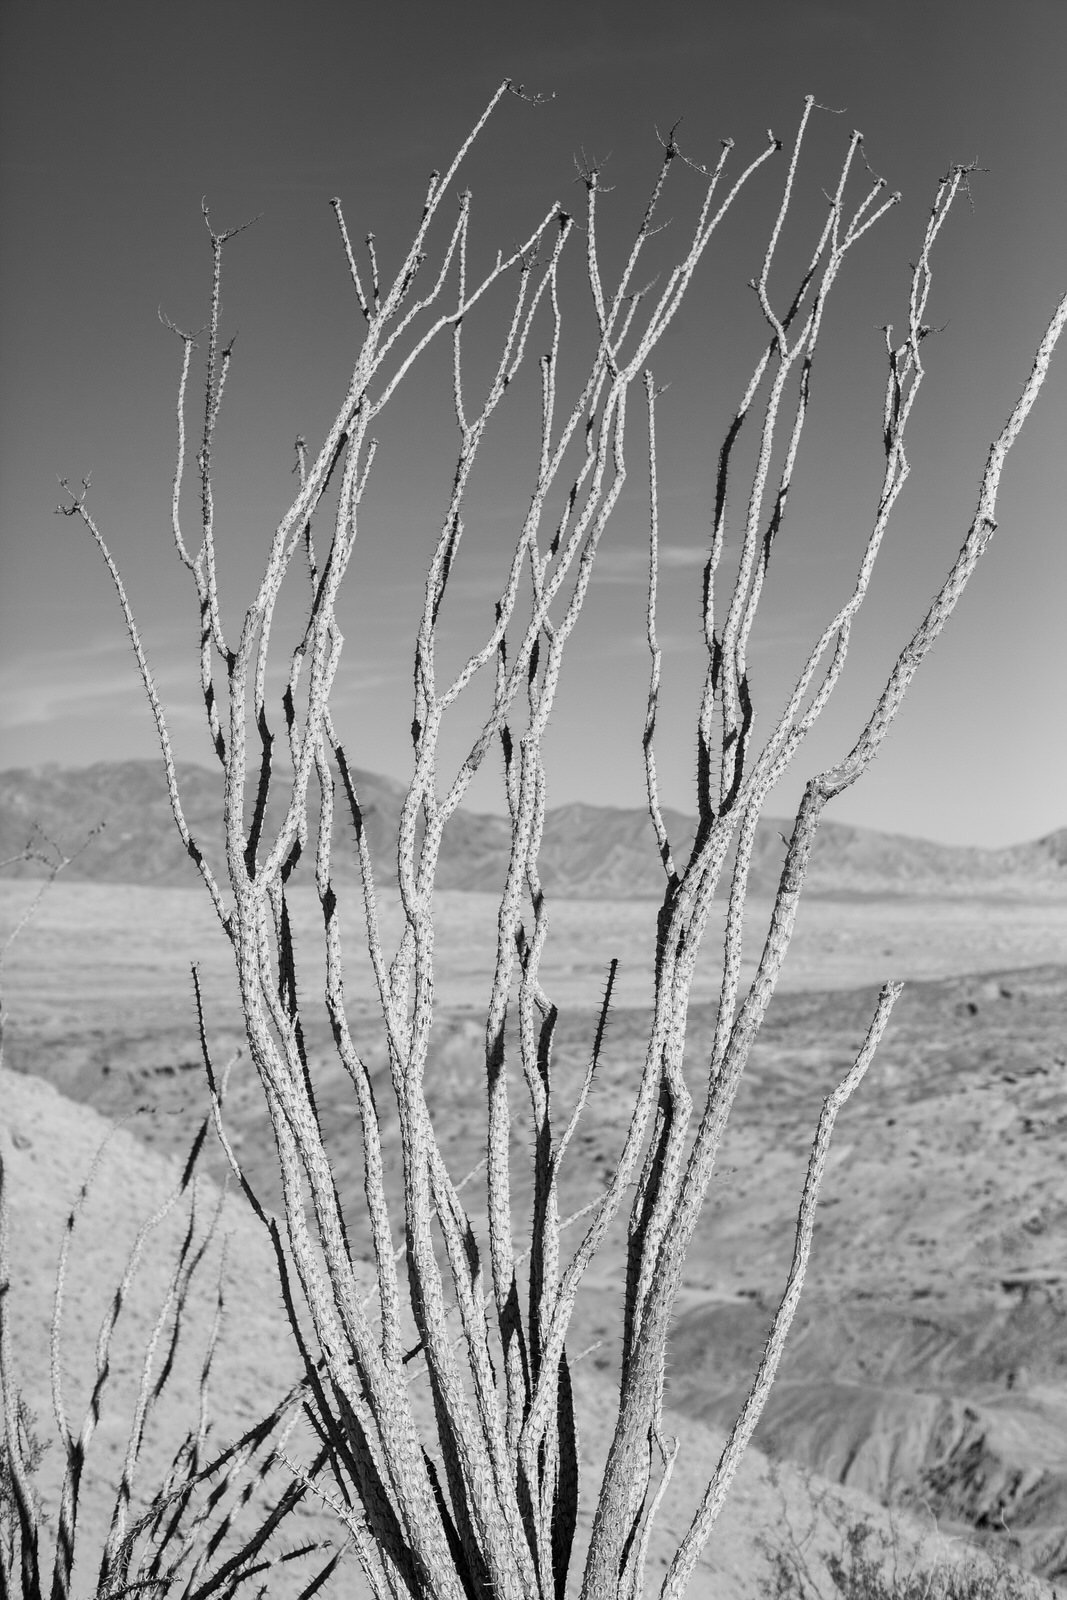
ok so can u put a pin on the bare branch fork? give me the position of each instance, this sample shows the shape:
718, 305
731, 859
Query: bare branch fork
487, 1503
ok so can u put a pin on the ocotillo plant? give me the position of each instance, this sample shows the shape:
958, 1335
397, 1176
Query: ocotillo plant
486, 1501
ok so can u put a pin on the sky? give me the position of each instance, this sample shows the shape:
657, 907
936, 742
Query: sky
117, 119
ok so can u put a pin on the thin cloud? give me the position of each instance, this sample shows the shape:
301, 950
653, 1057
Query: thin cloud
630, 565
100, 679
42, 686
26, 703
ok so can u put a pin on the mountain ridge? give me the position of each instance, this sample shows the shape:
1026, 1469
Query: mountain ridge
588, 851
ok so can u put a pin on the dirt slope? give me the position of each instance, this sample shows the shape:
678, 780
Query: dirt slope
930, 1355
48, 1143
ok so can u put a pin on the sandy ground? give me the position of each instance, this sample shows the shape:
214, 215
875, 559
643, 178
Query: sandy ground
49, 1143
108, 951
945, 1208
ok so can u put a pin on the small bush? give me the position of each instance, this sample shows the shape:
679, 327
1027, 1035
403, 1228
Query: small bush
871, 1563
31, 1450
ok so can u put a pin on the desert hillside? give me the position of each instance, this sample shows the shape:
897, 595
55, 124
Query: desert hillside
48, 1144
928, 1365
589, 852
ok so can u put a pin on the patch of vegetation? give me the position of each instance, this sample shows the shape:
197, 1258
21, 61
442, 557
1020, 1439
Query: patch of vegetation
31, 1449
868, 1562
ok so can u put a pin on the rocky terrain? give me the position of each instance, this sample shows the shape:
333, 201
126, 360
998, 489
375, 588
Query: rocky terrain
48, 1145
929, 1360
927, 1369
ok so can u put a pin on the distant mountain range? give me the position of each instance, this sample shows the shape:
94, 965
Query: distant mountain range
589, 852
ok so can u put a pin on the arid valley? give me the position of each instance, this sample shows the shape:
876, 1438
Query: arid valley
927, 1368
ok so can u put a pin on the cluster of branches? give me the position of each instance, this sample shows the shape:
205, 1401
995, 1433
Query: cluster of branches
486, 1502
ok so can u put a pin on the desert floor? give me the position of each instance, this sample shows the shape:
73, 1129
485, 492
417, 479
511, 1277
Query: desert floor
928, 1365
